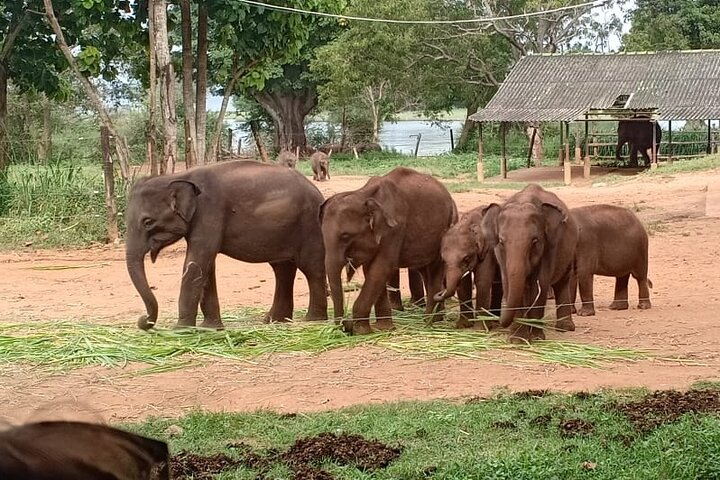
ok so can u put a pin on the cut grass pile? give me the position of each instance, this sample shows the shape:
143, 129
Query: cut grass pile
64, 345
526, 435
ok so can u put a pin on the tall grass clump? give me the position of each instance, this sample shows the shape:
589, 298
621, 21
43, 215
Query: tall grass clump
58, 204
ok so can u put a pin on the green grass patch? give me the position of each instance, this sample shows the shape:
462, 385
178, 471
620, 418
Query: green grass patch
508, 436
65, 345
708, 162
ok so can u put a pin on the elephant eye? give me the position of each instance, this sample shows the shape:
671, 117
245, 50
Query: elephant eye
535, 241
148, 223
345, 236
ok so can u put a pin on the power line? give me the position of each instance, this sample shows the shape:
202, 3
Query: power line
595, 3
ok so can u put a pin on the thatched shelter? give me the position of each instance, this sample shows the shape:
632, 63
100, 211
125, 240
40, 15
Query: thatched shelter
674, 85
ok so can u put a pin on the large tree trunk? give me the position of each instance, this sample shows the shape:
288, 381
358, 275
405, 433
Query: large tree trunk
167, 86
152, 97
121, 148
191, 132
4, 150
288, 110
202, 81
538, 152
467, 126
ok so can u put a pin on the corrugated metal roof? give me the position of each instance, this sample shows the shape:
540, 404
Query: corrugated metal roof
682, 85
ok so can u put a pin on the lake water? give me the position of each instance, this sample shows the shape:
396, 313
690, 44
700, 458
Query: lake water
400, 136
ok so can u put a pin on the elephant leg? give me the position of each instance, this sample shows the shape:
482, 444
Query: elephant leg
621, 293
586, 281
317, 308
417, 287
197, 271
282, 306
646, 157
633, 155
376, 275
618, 149
383, 313
209, 303
644, 293
496, 293
562, 301
433, 277
393, 291
464, 294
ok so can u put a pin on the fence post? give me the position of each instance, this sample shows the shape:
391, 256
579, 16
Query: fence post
670, 144
586, 160
109, 177
417, 144
452, 141
567, 167
503, 144
480, 161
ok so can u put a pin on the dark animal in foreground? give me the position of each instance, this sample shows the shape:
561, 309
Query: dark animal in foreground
320, 163
638, 135
611, 242
80, 451
249, 211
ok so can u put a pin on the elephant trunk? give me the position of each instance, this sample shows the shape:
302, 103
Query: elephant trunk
453, 275
516, 283
334, 269
135, 261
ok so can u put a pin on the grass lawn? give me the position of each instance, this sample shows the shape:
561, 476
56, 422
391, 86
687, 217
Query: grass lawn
529, 435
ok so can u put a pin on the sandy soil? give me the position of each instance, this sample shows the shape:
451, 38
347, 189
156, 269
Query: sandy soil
680, 211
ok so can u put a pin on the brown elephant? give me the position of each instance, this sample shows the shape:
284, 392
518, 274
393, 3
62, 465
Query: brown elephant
534, 238
612, 242
320, 163
249, 211
470, 261
76, 450
638, 134
286, 159
394, 221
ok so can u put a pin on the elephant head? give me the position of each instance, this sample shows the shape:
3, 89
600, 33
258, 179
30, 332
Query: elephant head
354, 225
460, 254
524, 236
160, 212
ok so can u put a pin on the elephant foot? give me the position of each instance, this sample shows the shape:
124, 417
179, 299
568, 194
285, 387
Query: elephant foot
357, 327
586, 311
486, 325
565, 325
319, 316
385, 325
272, 318
644, 304
215, 324
464, 322
522, 334
619, 305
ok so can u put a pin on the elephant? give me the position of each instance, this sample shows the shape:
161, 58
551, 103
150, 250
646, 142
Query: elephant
470, 261
639, 136
320, 166
287, 159
417, 289
250, 211
394, 221
534, 239
611, 242
76, 450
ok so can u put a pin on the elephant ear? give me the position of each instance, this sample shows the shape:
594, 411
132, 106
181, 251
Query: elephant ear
380, 218
183, 198
488, 227
555, 218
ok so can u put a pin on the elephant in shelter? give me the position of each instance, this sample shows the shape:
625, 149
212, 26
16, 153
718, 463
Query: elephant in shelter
76, 450
614, 243
639, 136
394, 221
470, 261
249, 211
534, 237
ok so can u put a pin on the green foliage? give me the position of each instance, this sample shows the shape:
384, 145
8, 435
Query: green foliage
506, 437
674, 25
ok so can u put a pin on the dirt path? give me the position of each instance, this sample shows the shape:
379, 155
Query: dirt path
682, 323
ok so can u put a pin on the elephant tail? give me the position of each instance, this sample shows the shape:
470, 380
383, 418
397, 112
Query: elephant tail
650, 285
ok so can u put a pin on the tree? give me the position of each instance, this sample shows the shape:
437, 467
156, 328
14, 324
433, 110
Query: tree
673, 25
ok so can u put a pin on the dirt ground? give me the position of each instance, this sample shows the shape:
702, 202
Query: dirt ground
681, 212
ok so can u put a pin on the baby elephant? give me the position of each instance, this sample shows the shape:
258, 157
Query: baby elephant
612, 242
287, 159
320, 165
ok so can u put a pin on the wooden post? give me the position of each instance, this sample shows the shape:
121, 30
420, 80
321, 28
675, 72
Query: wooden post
230, 140
586, 160
417, 144
532, 144
452, 141
709, 138
109, 174
653, 147
670, 145
594, 141
578, 152
297, 153
480, 161
567, 167
239, 147
503, 154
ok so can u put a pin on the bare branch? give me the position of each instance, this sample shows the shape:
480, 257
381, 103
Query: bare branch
12, 36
